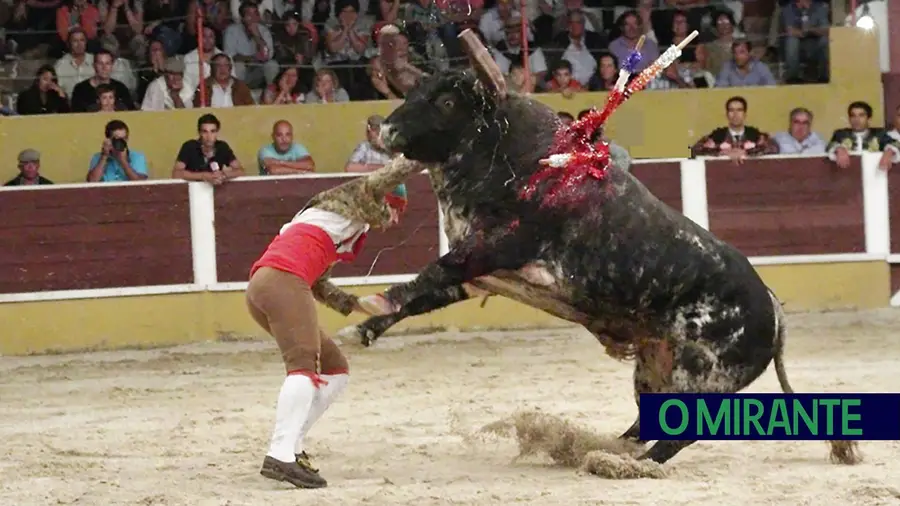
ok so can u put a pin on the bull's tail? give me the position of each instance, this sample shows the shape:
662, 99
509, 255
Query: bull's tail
842, 452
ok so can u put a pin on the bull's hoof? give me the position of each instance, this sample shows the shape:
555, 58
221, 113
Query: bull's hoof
353, 332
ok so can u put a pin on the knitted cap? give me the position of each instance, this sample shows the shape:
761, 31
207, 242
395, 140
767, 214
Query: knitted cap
397, 198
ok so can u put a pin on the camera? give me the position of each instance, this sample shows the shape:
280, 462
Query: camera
118, 145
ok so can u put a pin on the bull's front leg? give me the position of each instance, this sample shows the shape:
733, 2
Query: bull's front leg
371, 329
478, 256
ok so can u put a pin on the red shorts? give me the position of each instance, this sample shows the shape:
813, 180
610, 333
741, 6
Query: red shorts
305, 251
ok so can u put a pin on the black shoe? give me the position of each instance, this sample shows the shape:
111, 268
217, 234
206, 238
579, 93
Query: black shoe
298, 475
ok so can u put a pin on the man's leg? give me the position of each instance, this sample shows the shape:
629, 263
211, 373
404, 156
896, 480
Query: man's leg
791, 59
288, 308
336, 374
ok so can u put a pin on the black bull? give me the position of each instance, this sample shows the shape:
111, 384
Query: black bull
647, 282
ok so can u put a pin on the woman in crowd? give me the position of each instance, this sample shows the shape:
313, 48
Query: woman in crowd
44, 96
285, 90
326, 89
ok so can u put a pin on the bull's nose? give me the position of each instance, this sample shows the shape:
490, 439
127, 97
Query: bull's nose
391, 139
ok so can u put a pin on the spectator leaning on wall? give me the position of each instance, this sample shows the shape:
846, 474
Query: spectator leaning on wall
284, 156
116, 161
799, 139
207, 158
29, 170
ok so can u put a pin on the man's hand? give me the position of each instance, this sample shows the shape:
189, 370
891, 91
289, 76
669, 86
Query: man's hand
886, 161
106, 147
215, 177
375, 305
738, 156
842, 157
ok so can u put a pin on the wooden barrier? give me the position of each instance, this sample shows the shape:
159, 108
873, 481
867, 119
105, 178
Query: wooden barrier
117, 239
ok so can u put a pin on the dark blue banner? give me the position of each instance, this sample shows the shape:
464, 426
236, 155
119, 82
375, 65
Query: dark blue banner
797, 417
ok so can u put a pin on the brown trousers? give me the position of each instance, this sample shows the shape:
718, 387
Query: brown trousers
283, 305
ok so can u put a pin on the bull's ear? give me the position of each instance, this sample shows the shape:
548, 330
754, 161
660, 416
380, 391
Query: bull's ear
486, 69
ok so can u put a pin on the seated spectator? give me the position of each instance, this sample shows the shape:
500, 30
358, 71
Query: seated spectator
369, 154
215, 13
84, 95
116, 161
29, 170
719, 51
562, 81
44, 96
250, 45
326, 89
156, 63
805, 25
123, 22
192, 59
285, 90
78, 15
347, 37
861, 137
894, 133
607, 73
566, 118
122, 69
266, 8
799, 139
76, 65
284, 156
493, 22
169, 90
737, 140
580, 46
295, 40
107, 100
744, 69
510, 49
519, 81
391, 72
632, 28
207, 158
162, 22
222, 89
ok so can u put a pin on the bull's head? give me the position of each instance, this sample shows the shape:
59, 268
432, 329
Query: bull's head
436, 115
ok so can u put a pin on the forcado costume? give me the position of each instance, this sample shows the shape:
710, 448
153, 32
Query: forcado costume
285, 283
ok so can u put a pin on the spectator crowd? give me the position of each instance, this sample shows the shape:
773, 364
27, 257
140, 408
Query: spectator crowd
115, 55
208, 158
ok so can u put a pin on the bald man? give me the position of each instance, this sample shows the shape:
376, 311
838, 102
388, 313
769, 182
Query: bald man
284, 156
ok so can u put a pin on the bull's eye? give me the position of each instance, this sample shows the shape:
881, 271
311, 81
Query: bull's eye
448, 103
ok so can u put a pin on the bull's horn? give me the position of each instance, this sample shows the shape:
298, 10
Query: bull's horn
485, 67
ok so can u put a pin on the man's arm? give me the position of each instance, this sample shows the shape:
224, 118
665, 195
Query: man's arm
327, 293
833, 145
179, 171
135, 165
97, 167
285, 167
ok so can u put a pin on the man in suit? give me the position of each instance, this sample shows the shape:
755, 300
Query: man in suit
737, 140
861, 137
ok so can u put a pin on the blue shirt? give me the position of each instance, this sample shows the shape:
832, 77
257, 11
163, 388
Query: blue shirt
114, 170
297, 152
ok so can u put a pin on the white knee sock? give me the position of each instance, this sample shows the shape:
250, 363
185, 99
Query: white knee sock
291, 412
324, 397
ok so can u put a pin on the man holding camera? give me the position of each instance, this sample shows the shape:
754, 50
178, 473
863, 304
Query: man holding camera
115, 161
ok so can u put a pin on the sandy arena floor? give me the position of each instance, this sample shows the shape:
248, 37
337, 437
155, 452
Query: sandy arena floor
189, 425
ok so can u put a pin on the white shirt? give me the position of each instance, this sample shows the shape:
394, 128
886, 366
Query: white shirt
536, 61
157, 97
70, 74
492, 27
583, 62
221, 97
343, 231
192, 67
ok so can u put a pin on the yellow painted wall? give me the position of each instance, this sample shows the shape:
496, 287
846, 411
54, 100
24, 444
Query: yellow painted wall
655, 124
159, 320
